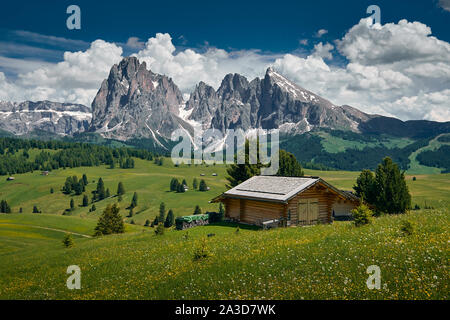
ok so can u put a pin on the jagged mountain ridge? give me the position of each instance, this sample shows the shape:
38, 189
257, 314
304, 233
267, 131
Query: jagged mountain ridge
53, 117
134, 102
268, 103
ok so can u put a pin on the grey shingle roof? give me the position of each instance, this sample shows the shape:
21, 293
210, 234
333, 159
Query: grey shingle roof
271, 187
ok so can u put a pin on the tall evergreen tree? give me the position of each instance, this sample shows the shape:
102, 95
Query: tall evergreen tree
203, 186
85, 179
180, 188
72, 205
4, 207
162, 212
288, 165
392, 194
238, 173
174, 184
101, 192
67, 189
170, 219
78, 188
120, 189
134, 201
85, 201
365, 187
195, 184
110, 221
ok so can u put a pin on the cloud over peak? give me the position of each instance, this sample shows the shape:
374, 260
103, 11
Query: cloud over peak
398, 69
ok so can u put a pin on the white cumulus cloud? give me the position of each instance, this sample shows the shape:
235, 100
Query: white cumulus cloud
396, 69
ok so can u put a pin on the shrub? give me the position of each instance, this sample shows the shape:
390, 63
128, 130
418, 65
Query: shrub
201, 251
68, 241
147, 223
407, 227
159, 231
361, 215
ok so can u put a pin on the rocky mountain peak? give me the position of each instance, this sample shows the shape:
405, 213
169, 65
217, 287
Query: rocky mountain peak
135, 102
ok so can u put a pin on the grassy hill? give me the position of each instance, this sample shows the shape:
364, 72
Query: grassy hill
149, 180
318, 262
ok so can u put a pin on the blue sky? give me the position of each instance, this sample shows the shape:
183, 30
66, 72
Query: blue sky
253, 35
265, 25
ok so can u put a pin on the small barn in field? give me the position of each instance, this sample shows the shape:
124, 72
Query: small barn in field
295, 200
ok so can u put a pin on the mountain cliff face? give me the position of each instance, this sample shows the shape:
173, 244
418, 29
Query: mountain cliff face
272, 102
136, 103
54, 117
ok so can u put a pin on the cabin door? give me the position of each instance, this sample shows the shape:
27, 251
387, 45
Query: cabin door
308, 211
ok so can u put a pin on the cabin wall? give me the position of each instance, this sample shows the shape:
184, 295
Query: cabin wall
232, 208
255, 212
343, 208
325, 200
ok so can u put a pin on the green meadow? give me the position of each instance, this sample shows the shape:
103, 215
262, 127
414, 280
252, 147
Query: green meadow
316, 262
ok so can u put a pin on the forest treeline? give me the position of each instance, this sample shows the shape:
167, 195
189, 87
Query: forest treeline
15, 155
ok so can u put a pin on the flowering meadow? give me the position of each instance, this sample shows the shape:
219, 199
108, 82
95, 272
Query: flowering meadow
316, 262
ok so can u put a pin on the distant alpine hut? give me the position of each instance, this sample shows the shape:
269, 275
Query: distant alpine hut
293, 200
44, 173
10, 179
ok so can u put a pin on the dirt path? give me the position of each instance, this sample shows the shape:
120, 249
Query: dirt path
52, 229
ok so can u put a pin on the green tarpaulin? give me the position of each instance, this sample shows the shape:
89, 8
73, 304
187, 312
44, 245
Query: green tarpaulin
195, 217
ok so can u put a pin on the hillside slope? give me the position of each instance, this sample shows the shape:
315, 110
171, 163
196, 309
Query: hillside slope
318, 262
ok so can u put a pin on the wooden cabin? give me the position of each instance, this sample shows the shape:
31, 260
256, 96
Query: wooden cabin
294, 200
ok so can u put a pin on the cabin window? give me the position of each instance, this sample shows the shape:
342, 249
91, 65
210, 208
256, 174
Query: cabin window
289, 214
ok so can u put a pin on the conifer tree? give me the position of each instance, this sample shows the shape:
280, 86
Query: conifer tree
162, 212
85, 179
134, 201
392, 194
197, 210
101, 193
110, 221
203, 186
170, 219
120, 189
85, 201
195, 184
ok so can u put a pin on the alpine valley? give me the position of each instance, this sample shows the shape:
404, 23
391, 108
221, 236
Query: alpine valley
137, 107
